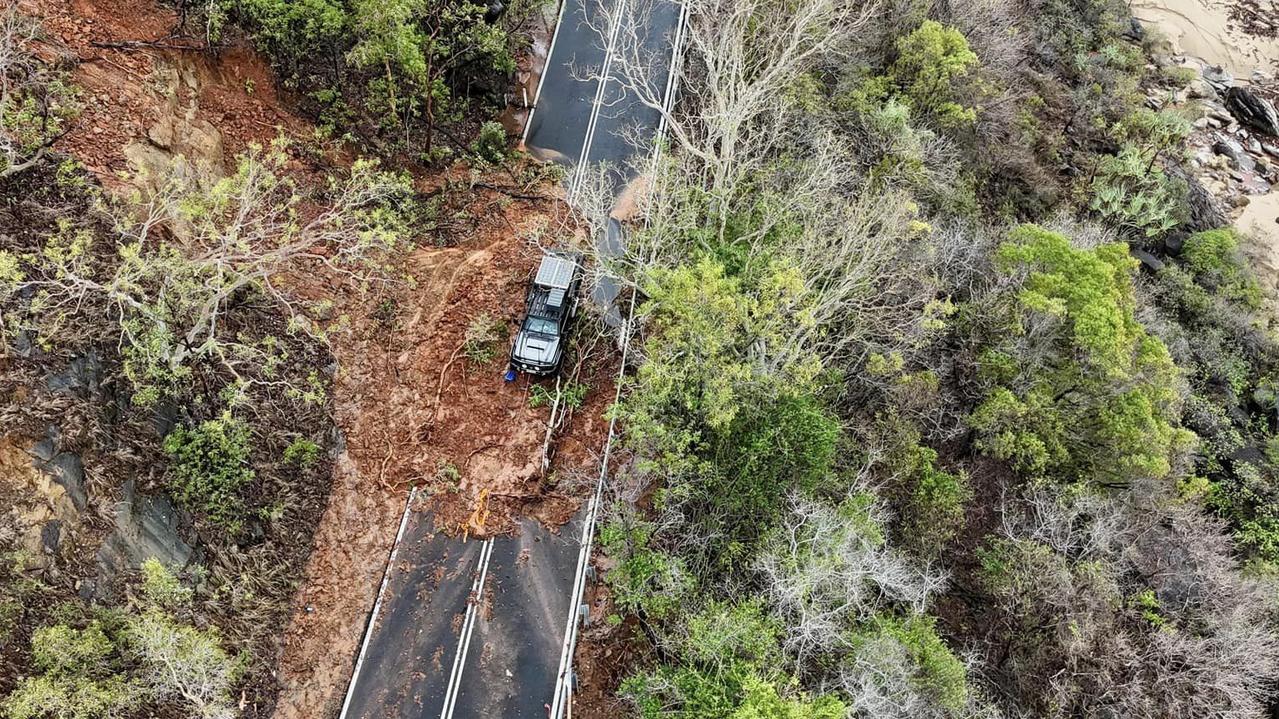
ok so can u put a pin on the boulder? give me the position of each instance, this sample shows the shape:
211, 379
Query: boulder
1219, 77
1235, 152
1201, 89
1134, 31
65, 468
1253, 185
145, 526
1147, 260
1252, 111
82, 377
1205, 211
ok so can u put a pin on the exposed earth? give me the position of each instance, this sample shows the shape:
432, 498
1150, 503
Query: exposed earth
409, 407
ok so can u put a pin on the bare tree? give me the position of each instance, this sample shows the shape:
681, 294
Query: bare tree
183, 664
1126, 605
828, 568
191, 251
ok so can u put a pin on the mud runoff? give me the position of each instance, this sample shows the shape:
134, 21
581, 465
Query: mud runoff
475, 455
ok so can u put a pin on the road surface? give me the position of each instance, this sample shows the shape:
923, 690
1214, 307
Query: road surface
475, 629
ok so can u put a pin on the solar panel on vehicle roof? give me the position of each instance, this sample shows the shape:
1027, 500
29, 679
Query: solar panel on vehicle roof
554, 272
555, 298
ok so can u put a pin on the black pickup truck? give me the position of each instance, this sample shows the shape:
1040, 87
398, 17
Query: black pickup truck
550, 306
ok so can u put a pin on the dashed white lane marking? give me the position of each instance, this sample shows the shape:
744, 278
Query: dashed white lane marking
468, 628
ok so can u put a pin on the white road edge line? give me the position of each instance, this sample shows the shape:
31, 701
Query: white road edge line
550, 52
563, 679
468, 628
562, 685
377, 604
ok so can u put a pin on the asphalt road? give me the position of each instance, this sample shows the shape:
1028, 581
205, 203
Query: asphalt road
474, 629
508, 668
566, 103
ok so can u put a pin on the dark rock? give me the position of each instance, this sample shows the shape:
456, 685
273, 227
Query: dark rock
83, 377
165, 417
1218, 77
494, 12
1205, 211
51, 535
1252, 111
1147, 260
1174, 242
1134, 31
45, 449
68, 471
1232, 150
145, 526
1249, 455
65, 468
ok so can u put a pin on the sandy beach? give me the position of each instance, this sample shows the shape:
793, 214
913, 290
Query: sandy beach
1203, 28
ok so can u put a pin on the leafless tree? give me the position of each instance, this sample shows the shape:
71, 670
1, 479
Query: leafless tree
183, 664
828, 568
1137, 609
189, 250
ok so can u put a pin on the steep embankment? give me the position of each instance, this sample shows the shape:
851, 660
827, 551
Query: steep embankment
406, 405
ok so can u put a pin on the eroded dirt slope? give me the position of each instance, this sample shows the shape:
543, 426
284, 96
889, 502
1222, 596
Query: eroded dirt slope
477, 454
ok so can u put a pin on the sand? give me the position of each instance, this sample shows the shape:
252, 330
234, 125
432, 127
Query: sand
1202, 28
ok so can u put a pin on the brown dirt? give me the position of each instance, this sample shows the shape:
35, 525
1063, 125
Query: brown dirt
396, 436
125, 94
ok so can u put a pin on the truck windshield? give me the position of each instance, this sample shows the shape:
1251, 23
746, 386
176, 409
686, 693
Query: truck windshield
540, 325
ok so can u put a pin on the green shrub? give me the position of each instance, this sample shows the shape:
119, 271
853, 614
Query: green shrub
484, 337
727, 667
931, 63
491, 143
209, 468
939, 674
80, 677
1215, 260
936, 511
1106, 407
161, 588
302, 453
1154, 133
1132, 193
644, 580
291, 31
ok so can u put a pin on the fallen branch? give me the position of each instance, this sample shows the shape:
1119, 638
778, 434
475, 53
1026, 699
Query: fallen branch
512, 193
147, 45
439, 389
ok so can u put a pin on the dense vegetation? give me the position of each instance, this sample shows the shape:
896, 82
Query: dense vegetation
911, 432
912, 435
207, 379
407, 77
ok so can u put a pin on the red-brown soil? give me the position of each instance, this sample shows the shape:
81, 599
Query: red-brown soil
124, 96
477, 453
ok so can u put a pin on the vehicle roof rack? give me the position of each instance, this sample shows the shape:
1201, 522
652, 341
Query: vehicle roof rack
555, 272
